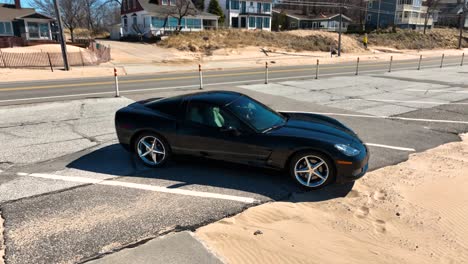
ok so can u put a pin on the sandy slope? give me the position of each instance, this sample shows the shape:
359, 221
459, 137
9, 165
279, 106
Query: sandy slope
413, 212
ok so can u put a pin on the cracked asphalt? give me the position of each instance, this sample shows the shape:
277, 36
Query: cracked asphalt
59, 218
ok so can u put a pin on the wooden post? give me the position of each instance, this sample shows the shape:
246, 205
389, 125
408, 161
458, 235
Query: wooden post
442, 61
50, 62
357, 66
117, 92
3, 59
266, 72
82, 60
200, 74
391, 62
317, 70
420, 60
463, 58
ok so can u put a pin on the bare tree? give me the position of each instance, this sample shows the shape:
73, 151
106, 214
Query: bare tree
181, 9
431, 7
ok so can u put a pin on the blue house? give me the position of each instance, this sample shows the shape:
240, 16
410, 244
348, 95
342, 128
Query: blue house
401, 13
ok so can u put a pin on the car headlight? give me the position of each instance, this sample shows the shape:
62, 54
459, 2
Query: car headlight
347, 150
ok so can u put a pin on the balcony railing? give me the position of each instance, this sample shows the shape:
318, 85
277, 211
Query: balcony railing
422, 9
253, 10
414, 21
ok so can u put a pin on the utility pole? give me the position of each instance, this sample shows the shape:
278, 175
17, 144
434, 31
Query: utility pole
340, 28
462, 23
62, 36
378, 15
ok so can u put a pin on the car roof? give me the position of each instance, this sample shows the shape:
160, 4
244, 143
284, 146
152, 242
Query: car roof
221, 98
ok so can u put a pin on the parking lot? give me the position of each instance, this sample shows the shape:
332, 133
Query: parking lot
69, 192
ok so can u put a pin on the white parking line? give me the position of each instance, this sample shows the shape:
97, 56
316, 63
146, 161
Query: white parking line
412, 102
384, 117
435, 91
141, 187
390, 147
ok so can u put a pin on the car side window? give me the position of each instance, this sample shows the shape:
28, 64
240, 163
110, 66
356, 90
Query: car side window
211, 116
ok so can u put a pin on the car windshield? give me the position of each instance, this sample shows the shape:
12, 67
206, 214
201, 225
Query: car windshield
257, 115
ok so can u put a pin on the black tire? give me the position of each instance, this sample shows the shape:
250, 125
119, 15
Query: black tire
161, 145
320, 182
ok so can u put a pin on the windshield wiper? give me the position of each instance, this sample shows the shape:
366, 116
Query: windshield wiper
273, 127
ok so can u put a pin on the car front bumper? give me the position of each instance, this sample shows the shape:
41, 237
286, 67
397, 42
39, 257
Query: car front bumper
357, 169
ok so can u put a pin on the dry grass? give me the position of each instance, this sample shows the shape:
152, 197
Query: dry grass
207, 41
309, 40
409, 39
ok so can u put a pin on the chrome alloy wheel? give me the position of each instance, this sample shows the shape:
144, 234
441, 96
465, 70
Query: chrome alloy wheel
311, 171
151, 150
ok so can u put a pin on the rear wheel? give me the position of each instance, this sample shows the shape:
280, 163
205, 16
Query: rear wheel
312, 170
152, 149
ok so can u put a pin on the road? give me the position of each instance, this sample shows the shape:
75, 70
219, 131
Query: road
69, 193
41, 91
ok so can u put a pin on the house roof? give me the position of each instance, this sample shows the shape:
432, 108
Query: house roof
163, 10
9, 12
297, 14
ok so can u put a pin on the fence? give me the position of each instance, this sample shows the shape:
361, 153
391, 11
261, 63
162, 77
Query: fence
94, 55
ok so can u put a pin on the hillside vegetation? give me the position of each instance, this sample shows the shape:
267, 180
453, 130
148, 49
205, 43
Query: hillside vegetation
310, 40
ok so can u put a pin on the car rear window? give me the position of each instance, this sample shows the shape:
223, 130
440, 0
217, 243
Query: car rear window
169, 106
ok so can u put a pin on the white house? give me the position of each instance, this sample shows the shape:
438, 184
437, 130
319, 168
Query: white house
154, 17
247, 14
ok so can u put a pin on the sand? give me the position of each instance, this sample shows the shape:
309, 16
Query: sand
413, 212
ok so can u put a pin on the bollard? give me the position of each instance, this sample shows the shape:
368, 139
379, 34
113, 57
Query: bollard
391, 62
317, 70
463, 58
442, 61
117, 93
266, 72
357, 66
419, 65
201, 76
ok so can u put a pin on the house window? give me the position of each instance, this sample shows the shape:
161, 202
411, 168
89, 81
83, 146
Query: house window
125, 22
227, 4
172, 2
147, 21
164, 2
193, 23
369, 17
158, 22
234, 5
259, 7
251, 22
370, 4
38, 30
266, 7
259, 22
173, 22
266, 22
6, 29
134, 21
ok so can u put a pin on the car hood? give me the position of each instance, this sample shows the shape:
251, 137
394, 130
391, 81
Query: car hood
312, 126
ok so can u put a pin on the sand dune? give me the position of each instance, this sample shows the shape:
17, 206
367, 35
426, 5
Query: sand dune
413, 212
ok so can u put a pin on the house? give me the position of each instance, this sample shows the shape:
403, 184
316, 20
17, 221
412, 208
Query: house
247, 14
401, 13
449, 11
23, 26
155, 17
295, 19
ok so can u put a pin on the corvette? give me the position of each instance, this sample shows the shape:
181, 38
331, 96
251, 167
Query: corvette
315, 150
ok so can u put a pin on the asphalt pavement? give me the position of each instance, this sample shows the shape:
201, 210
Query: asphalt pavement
53, 90
70, 194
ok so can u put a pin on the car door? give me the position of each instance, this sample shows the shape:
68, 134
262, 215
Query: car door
210, 131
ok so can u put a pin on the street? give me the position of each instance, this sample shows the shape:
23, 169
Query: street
70, 194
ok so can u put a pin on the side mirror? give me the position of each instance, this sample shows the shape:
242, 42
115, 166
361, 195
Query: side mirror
231, 131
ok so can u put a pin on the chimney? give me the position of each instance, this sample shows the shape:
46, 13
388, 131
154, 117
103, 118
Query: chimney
18, 4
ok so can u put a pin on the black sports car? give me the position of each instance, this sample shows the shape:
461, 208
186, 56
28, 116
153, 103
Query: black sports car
316, 150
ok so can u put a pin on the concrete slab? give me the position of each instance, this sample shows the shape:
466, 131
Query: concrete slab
178, 248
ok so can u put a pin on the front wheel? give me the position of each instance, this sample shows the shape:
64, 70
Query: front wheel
312, 170
152, 149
